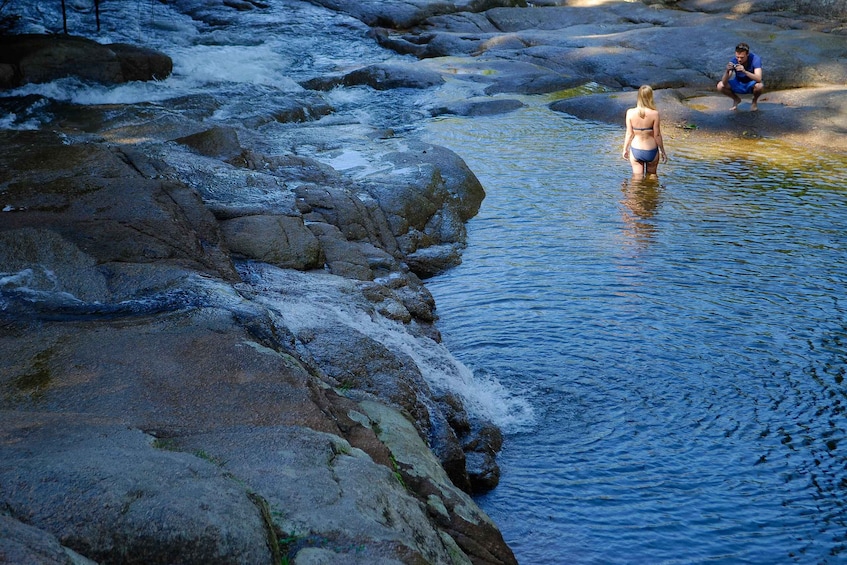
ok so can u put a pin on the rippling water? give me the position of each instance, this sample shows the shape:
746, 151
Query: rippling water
683, 343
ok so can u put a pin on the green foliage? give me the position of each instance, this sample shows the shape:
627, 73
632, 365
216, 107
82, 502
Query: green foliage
396, 470
346, 385
286, 542
210, 458
166, 443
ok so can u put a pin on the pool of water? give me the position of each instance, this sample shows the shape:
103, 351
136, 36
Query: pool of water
682, 343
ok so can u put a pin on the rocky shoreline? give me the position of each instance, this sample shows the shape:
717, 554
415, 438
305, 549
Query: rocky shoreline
186, 374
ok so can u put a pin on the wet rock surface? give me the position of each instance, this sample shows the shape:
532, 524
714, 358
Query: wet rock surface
193, 366
594, 55
154, 347
41, 58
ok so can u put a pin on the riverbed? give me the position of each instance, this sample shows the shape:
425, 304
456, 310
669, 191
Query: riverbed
681, 342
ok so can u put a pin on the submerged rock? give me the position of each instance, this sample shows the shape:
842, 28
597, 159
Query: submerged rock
479, 108
380, 77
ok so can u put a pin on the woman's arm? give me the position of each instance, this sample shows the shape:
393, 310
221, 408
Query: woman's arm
657, 133
628, 137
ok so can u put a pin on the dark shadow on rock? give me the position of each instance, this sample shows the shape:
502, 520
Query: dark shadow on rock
32, 58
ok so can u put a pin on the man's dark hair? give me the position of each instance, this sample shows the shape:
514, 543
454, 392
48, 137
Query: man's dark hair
742, 48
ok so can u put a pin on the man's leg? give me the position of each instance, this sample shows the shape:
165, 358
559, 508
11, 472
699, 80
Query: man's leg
757, 91
724, 89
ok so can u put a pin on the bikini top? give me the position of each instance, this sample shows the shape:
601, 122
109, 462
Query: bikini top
642, 129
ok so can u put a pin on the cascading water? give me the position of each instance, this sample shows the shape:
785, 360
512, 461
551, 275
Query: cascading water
255, 62
307, 301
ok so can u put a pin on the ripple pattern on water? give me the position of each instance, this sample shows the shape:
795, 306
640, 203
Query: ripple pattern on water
682, 341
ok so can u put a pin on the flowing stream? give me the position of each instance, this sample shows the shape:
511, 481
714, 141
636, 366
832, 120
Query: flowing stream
682, 343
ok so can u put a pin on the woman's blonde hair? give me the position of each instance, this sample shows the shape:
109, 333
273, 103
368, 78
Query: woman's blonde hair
645, 100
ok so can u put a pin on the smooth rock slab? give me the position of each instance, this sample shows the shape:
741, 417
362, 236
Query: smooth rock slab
20, 543
108, 493
324, 493
284, 241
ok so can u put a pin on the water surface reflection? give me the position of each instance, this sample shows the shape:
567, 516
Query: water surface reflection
641, 201
683, 342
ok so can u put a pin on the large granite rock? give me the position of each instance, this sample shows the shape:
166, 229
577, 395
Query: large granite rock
91, 196
27, 544
109, 493
43, 58
169, 377
403, 15
679, 48
380, 77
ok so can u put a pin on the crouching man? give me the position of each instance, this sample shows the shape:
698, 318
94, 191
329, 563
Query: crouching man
746, 72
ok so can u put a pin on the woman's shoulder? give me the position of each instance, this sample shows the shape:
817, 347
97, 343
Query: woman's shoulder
651, 114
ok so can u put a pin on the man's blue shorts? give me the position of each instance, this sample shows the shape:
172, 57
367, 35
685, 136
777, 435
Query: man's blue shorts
739, 87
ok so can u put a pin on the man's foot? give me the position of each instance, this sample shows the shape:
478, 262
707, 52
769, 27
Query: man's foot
737, 101
754, 106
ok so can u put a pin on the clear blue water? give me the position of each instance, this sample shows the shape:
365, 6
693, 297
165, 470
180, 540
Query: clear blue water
683, 343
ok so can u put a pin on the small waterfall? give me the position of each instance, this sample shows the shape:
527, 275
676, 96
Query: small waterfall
305, 301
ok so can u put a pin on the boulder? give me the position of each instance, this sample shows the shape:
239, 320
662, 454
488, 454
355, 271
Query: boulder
380, 77
93, 198
551, 47
22, 543
833, 10
479, 108
218, 142
472, 530
426, 195
284, 241
787, 114
429, 261
7, 75
106, 492
134, 427
324, 492
343, 257
44, 58
141, 63
356, 217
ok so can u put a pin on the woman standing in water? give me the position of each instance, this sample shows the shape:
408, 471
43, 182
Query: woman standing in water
643, 143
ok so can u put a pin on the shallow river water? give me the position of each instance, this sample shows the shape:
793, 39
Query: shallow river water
682, 343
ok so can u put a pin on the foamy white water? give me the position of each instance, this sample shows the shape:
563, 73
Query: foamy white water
277, 46
307, 301
257, 62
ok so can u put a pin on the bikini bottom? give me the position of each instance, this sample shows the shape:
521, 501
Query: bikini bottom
644, 155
